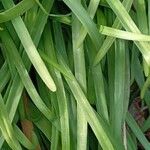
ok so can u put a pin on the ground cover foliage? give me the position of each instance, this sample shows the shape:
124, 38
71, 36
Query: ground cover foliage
74, 74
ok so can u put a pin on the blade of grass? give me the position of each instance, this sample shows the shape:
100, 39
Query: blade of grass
11, 67
51, 132
72, 120
92, 7
146, 124
30, 48
17, 86
54, 64
7, 41
92, 119
143, 25
138, 73
66, 19
145, 87
16, 10
61, 18
110, 67
82, 15
6, 127
4, 76
110, 40
148, 15
99, 131
142, 16
123, 34
61, 95
96, 71
98, 80
80, 74
131, 144
119, 82
137, 131
127, 82
40, 121
129, 25
12, 32
55, 139
23, 139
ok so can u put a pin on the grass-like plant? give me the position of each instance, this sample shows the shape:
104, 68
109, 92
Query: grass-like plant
74, 74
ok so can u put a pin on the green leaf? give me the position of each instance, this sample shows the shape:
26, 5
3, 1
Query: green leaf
123, 34
6, 127
129, 25
7, 41
136, 130
16, 10
30, 48
110, 40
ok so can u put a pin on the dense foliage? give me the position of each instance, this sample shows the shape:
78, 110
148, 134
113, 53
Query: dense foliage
74, 74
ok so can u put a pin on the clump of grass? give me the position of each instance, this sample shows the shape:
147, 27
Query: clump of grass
74, 74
